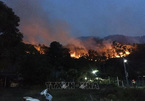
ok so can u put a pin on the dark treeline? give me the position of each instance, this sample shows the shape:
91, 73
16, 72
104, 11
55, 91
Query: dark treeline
56, 64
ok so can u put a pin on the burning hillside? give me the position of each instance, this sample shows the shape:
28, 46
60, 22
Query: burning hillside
33, 49
107, 50
77, 52
103, 50
40, 49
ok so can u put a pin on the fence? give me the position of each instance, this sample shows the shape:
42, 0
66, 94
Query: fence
140, 82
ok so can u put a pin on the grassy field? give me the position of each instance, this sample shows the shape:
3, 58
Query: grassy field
17, 94
104, 94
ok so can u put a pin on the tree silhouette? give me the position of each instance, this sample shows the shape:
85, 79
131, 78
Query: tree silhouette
10, 37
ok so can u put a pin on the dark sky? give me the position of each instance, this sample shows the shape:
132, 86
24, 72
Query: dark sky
79, 17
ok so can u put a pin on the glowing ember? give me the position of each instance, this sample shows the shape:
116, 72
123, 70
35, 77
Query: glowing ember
27, 52
41, 48
121, 53
77, 52
117, 56
127, 52
37, 48
74, 55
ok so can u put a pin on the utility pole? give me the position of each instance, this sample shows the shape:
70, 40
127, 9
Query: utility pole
118, 81
126, 73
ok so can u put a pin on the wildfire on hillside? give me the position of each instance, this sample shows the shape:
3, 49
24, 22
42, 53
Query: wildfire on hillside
115, 50
39, 49
77, 52
42, 49
74, 55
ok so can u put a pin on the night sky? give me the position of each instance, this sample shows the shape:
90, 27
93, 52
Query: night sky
43, 20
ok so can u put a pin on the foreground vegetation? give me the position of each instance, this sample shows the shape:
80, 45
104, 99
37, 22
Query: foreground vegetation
108, 93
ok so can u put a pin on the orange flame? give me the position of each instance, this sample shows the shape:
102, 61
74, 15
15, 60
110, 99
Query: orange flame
113, 51
74, 55
40, 49
116, 51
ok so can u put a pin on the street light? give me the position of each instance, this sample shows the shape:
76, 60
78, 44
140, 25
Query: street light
86, 78
125, 61
94, 72
126, 73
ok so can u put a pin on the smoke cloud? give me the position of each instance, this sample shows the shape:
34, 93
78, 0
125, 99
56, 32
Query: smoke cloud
37, 25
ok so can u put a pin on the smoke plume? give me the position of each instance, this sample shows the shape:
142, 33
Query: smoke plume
38, 26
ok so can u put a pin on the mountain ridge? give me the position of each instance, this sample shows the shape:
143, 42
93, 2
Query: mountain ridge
119, 38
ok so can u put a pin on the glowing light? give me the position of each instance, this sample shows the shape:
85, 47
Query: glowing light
121, 53
117, 56
39, 49
86, 78
127, 52
95, 71
73, 55
125, 60
91, 80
